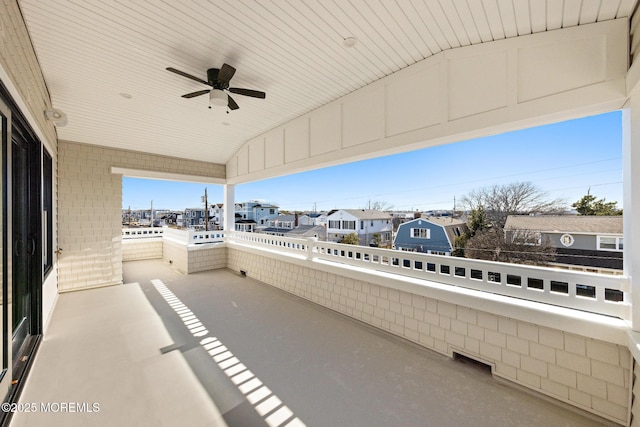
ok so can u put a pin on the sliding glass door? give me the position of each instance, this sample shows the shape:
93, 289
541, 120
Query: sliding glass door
21, 265
5, 258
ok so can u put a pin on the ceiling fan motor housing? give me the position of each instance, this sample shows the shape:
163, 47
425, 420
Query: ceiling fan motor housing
212, 78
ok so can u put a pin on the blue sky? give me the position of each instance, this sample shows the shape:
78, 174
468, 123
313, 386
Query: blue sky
564, 160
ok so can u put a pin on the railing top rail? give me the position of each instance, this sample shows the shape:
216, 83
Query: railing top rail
598, 293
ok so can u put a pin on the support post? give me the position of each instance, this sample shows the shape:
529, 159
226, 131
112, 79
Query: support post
229, 208
631, 202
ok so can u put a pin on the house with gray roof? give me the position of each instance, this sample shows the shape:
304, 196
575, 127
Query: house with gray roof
364, 222
431, 235
591, 243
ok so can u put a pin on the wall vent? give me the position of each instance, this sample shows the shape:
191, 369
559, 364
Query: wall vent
477, 364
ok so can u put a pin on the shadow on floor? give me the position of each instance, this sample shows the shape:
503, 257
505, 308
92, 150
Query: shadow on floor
327, 369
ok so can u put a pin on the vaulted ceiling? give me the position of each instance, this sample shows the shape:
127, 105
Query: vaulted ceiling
105, 61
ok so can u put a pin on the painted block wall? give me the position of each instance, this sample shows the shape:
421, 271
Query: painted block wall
192, 259
207, 258
176, 255
590, 374
137, 249
90, 203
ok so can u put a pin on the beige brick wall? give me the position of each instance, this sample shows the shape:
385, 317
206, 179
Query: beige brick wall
137, 249
210, 258
177, 255
590, 374
89, 207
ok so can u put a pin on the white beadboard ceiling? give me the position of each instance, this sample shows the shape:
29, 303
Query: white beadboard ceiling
92, 51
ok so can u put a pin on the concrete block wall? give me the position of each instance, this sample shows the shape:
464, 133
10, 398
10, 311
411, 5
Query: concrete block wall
137, 249
590, 374
207, 258
192, 259
90, 204
176, 254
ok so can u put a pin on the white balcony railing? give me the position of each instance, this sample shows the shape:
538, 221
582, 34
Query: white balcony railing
591, 292
601, 294
142, 233
192, 237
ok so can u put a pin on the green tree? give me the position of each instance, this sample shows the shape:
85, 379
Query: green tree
350, 239
476, 222
376, 239
588, 205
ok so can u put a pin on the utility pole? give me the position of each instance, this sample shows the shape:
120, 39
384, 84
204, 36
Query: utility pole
206, 210
151, 213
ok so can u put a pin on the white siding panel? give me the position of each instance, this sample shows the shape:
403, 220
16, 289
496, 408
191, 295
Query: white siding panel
413, 102
436, 39
256, 155
538, 16
363, 117
492, 13
457, 25
482, 20
243, 160
571, 13
554, 15
508, 17
232, 167
466, 96
274, 148
296, 140
325, 130
547, 70
589, 11
522, 16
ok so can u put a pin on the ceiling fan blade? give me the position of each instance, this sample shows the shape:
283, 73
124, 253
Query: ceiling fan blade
248, 92
194, 94
226, 72
232, 104
189, 76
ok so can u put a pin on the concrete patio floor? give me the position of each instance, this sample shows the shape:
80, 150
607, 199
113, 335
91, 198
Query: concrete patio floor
215, 347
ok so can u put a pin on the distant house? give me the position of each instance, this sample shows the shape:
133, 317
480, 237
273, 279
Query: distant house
259, 212
313, 218
590, 243
288, 221
300, 231
246, 225
433, 235
169, 218
364, 222
216, 216
194, 218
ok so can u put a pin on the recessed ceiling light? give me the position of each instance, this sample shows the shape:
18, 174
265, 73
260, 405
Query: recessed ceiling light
126, 95
350, 42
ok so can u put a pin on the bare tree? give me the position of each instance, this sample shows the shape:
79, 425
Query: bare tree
522, 247
379, 205
518, 198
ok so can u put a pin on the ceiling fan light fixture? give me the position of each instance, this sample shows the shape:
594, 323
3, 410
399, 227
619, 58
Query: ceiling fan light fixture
218, 98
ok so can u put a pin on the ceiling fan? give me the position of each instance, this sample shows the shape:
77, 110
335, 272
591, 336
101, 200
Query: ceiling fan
218, 79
